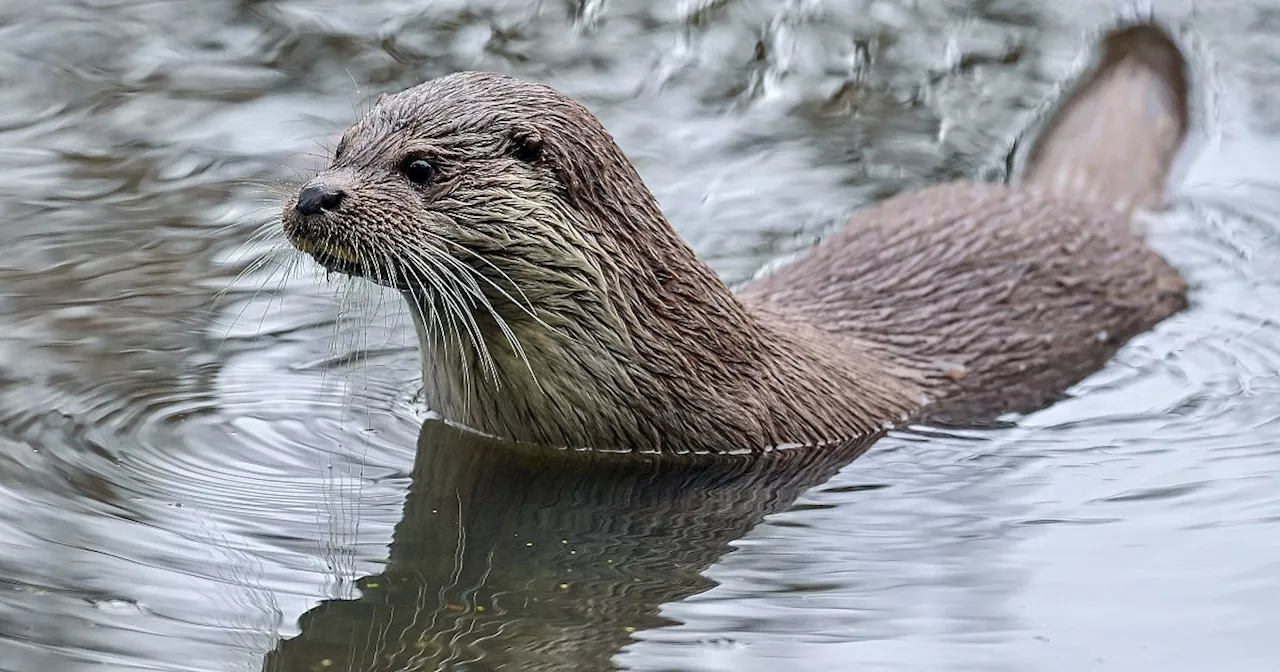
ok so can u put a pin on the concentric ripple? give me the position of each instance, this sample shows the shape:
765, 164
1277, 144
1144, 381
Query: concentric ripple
196, 514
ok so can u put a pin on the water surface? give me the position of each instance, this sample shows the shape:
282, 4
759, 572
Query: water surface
210, 465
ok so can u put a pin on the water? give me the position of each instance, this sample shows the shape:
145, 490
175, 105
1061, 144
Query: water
204, 470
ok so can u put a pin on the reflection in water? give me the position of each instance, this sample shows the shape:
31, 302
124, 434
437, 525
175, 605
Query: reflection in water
544, 559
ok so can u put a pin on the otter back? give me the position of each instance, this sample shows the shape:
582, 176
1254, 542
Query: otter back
1002, 296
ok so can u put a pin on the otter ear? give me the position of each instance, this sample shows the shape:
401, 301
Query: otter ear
526, 143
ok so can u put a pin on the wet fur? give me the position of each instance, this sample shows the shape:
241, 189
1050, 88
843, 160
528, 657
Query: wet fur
952, 303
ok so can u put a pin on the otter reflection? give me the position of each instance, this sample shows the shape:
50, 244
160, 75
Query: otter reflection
513, 557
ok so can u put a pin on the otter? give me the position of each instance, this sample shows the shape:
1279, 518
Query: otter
556, 305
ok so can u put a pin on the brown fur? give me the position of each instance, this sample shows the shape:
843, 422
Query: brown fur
954, 303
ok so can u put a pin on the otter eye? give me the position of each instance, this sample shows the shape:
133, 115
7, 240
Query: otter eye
417, 170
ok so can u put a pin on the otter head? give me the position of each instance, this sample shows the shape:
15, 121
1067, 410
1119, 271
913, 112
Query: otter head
477, 188
549, 291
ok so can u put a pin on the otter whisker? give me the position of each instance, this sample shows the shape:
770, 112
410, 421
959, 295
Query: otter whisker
471, 275
280, 188
454, 313
451, 332
479, 342
431, 321
480, 345
442, 256
271, 226
348, 297
268, 232
527, 309
479, 298
477, 275
374, 267
273, 254
263, 232
478, 294
527, 306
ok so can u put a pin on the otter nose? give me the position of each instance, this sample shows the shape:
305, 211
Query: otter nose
319, 196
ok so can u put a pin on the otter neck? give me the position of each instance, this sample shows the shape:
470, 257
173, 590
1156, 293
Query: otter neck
645, 349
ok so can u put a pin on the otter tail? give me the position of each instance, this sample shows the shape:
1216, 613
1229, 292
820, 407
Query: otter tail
1116, 136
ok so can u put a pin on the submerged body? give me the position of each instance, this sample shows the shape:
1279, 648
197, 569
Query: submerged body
556, 305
